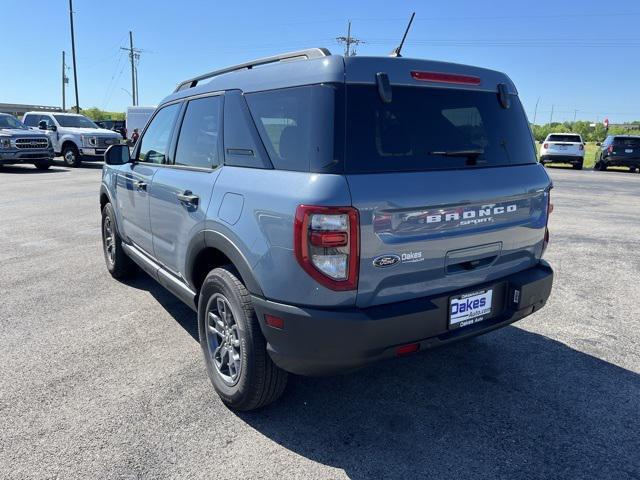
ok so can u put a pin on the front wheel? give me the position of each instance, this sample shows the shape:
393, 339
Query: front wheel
71, 156
118, 263
43, 164
235, 351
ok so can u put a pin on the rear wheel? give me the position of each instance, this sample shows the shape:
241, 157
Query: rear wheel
71, 155
578, 166
235, 351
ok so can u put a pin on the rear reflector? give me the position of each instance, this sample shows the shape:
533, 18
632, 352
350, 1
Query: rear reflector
445, 78
407, 349
329, 239
273, 321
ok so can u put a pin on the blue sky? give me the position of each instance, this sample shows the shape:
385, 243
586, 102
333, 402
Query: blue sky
575, 55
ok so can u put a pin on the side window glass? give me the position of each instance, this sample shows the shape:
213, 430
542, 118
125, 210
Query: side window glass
154, 146
30, 121
49, 120
200, 134
242, 144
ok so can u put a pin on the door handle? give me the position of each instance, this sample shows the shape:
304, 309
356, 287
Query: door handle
188, 198
140, 185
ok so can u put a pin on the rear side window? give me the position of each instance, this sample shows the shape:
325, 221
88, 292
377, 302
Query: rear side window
433, 129
154, 146
296, 126
564, 138
633, 142
199, 140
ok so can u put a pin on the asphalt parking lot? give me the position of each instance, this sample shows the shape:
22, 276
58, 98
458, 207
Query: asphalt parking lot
101, 379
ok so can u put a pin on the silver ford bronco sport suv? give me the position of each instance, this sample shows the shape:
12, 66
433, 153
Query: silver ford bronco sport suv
18, 144
320, 213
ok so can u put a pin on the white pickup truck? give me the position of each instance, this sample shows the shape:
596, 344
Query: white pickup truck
73, 136
563, 148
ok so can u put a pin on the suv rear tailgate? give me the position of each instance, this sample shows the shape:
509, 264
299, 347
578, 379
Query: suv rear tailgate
439, 231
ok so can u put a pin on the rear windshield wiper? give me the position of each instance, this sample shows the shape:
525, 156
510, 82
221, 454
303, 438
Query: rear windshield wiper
458, 153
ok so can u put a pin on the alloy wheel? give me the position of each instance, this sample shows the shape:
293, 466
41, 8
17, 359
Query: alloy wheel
223, 339
109, 240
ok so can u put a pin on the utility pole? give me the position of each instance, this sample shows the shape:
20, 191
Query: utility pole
133, 68
575, 113
348, 42
65, 80
535, 111
551, 117
134, 56
137, 91
73, 55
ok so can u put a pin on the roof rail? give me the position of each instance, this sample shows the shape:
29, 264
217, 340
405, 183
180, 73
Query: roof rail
300, 54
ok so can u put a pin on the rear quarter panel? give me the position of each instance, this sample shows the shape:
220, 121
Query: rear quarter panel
263, 229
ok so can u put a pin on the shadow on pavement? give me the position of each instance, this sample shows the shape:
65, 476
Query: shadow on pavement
88, 165
510, 404
26, 168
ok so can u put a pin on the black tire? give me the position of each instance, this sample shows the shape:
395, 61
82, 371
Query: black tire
71, 155
118, 263
258, 381
601, 165
42, 164
578, 166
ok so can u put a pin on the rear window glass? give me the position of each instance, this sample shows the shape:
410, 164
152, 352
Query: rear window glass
627, 142
296, 125
564, 138
432, 129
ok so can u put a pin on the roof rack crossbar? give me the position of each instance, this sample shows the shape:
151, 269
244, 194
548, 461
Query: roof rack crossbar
300, 54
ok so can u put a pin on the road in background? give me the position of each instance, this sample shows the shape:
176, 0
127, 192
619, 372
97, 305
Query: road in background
102, 379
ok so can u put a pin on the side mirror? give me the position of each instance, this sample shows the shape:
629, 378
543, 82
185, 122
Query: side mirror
53, 128
541, 142
598, 144
117, 155
42, 125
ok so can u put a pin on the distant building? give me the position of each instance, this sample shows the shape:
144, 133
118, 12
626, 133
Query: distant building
19, 110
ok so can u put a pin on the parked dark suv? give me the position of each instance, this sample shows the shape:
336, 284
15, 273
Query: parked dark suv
619, 151
320, 213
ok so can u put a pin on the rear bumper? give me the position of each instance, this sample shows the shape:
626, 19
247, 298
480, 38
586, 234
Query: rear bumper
318, 342
623, 161
572, 159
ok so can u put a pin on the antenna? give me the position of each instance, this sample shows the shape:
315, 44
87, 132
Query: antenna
396, 52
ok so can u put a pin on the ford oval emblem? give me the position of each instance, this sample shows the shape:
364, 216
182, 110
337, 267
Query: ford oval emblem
384, 261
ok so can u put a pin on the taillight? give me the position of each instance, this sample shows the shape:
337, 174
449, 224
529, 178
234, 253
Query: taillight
546, 227
610, 149
326, 243
545, 146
